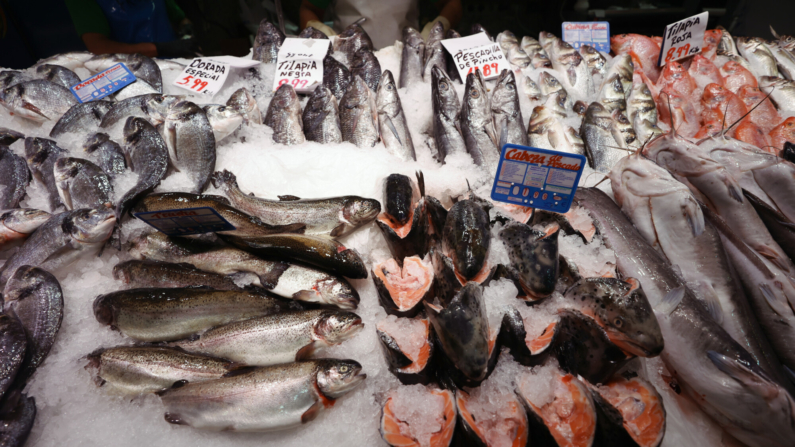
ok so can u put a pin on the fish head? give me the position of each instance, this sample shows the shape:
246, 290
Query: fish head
134, 126
530, 88
37, 150
242, 99
66, 168
268, 33
387, 94
223, 118
104, 311
546, 40
90, 226
285, 98
504, 93
93, 142
26, 279
360, 211
437, 32
673, 70
363, 59
507, 39
540, 120
334, 327
476, 101
121, 273
157, 107
335, 377
612, 89
452, 34
182, 111
445, 98
548, 83
24, 220
412, 38
715, 95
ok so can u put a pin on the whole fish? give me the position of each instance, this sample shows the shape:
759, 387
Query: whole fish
142, 274
267, 42
534, 257
568, 61
623, 66
143, 67
531, 89
223, 119
42, 154
546, 130
81, 118
446, 116
135, 370
612, 95
761, 60
452, 71
477, 126
70, 60
506, 113
13, 77
336, 76
284, 116
538, 57
365, 65
58, 75
17, 224
728, 48
466, 238
13, 345
782, 92
82, 184
37, 100
266, 399
287, 280
107, 153
274, 339
170, 314
18, 420
191, 143
351, 40
412, 58
15, 175
62, 239
358, 114
604, 145
507, 40
595, 61
148, 156
244, 102
640, 104
8, 136
321, 117
434, 51
391, 121
152, 107
34, 296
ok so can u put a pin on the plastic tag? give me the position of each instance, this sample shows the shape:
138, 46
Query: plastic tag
595, 34
103, 84
300, 63
477, 52
203, 75
537, 178
186, 221
683, 38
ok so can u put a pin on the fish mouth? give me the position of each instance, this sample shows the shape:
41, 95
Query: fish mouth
632, 347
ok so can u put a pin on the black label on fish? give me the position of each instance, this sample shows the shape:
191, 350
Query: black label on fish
183, 222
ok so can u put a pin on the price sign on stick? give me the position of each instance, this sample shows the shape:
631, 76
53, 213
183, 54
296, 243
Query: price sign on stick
683, 38
477, 52
204, 76
300, 63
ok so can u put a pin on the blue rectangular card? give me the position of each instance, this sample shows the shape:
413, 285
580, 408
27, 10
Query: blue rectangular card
537, 178
186, 221
103, 84
595, 34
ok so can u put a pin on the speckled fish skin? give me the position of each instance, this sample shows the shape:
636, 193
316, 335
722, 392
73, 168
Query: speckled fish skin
311, 33
123, 110
333, 216
137, 274
58, 75
507, 114
446, 116
35, 297
294, 281
336, 76
534, 257
13, 346
224, 120
477, 126
358, 116
391, 121
37, 100
141, 66
107, 153
42, 154
321, 117
136, 370
82, 184
434, 51
15, 178
366, 65
466, 237
17, 224
266, 399
538, 57
275, 339
18, 422
148, 155
412, 58
284, 116
267, 42
191, 143
9, 136
81, 118
602, 139
351, 40
244, 102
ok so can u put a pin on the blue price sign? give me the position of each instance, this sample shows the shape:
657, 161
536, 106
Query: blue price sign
103, 84
186, 221
537, 178
595, 34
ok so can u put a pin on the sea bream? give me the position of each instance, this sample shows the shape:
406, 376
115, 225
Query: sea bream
604, 145
82, 184
358, 114
81, 118
15, 175
18, 224
245, 103
13, 346
191, 143
107, 153
391, 120
9, 136
42, 154
223, 119
37, 100
284, 116
352, 39
365, 65
321, 118
60, 75
267, 42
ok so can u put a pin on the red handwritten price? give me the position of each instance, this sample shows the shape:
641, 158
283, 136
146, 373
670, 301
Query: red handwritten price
198, 84
296, 83
680, 52
487, 69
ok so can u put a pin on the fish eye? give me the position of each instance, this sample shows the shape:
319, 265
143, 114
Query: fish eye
618, 322
344, 368
474, 94
443, 85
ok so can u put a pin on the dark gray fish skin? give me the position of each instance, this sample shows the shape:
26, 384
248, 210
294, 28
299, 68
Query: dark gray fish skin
599, 133
446, 115
412, 58
478, 28
12, 77
141, 66
82, 184
477, 126
463, 330
434, 51
358, 116
391, 121
35, 297
62, 239
336, 76
37, 100
284, 116
107, 153
466, 237
244, 102
148, 156
57, 74
321, 117
506, 112
123, 110
147, 273
13, 346
15, 178
8, 136
534, 258
452, 71
81, 118
42, 154
398, 192
351, 40
311, 33
267, 42
191, 143
366, 65
15, 425
18, 224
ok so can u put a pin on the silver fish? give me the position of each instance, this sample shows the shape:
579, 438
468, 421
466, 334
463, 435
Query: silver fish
640, 105
137, 88
148, 156
17, 224
531, 89
284, 116
9, 136
223, 119
517, 58
549, 84
57, 74
13, 344
477, 126
366, 65
391, 121
412, 58
645, 130
596, 62
625, 129
147, 273
612, 95
604, 144
267, 42
37, 100
727, 47
82, 184
507, 40
336, 76
41, 154
351, 40
761, 60
568, 61
107, 153
452, 71
446, 116
434, 51
507, 114
244, 102
321, 117
785, 60
622, 66
538, 57
15, 178
358, 115
81, 118
560, 104
13, 77
141, 66
782, 92
191, 143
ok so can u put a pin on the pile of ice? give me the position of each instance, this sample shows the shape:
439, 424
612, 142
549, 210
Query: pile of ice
409, 333
420, 410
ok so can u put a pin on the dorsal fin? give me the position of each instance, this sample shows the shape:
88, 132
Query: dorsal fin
288, 198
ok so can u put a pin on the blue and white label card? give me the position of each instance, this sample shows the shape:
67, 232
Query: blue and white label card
537, 178
595, 34
186, 221
103, 84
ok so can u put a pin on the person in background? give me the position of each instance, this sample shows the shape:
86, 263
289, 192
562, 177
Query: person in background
385, 19
132, 26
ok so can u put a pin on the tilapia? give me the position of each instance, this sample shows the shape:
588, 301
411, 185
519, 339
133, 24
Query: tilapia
412, 58
604, 145
391, 121
42, 154
284, 116
81, 118
191, 143
336, 76
57, 74
17, 224
311, 33
148, 156
446, 116
9, 136
37, 100
568, 61
15, 175
506, 113
351, 40
534, 257
107, 153
142, 67
358, 114
267, 42
761, 60
477, 126
538, 57
17, 420
82, 184
434, 51
246, 104
321, 117
143, 274
13, 346
466, 239
223, 119
365, 65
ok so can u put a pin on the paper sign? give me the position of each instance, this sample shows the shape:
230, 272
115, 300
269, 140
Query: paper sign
477, 52
103, 84
236, 62
203, 75
186, 221
537, 178
595, 34
300, 63
683, 38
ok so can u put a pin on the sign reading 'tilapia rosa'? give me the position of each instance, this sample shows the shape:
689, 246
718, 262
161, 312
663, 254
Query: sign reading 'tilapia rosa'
537, 178
683, 38
476, 52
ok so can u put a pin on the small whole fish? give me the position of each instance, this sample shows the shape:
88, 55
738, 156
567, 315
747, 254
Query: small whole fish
147, 273
358, 114
760, 60
351, 40
17, 224
41, 154
58, 75
223, 119
477, 126
284, 116
267, 42
604, 145
37, 100
612, 95
534, 257
623, 66
8, 136
191, 143
13, 345
18, 420
568, 61
727, 47
82, 184
466, 238
107, 153
336, 76
15, 175
538, 57
143, 67
412, 58
81, 118
148, 156
545, 130
596, 62
507, 114
391, 121
321, 117
434, 51
244, 102
446, 116
782, 92
365, 65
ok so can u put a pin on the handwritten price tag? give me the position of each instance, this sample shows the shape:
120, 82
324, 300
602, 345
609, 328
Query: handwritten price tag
203, 76
683, 38
300, 63
476, 52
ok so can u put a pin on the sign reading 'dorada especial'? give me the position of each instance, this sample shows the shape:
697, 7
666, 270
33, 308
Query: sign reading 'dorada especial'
103, 84
186, 221
477, 52
683, 38
300, 63
537, 178
595, 34
203, 75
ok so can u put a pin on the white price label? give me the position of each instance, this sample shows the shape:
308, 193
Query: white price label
300, 63
477, 52
204, 76
683, 38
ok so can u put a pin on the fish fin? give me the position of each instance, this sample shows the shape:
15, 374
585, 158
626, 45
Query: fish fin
240, 371
774, 33
338, 230
694, 216
179, 384
503, 133
754, 378
174, 418
713, 305
671, 300
271, 279
391, 125
734, 192
34, 109
420, 182
772, 256
489, 129
305, 352
773, 301
251, 194
311, 413
288, 198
